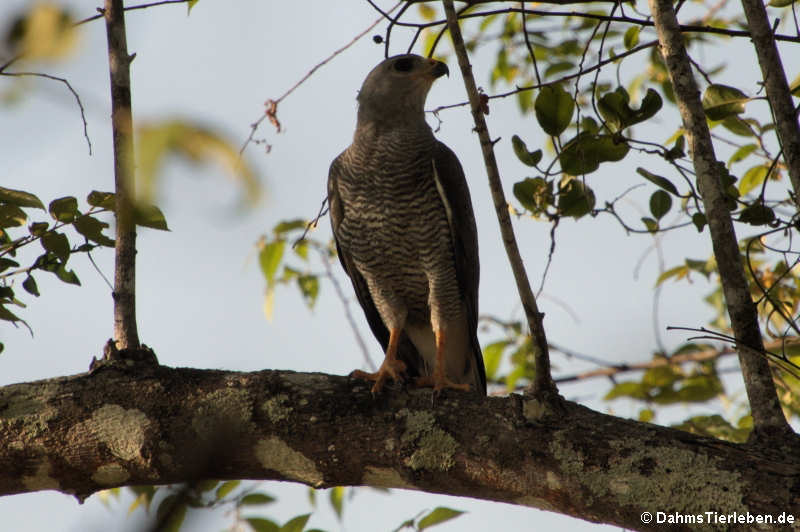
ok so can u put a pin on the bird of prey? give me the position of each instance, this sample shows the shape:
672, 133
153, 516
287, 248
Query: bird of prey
405, 233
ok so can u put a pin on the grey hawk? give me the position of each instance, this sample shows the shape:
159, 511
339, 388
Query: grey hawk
405, 233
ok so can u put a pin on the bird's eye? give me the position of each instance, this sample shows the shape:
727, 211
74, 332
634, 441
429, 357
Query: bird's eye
404, 65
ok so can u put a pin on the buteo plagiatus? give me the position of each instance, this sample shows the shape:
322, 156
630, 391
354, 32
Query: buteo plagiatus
405, 232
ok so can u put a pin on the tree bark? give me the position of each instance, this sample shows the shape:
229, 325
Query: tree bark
125, 330
769, 421
132, 425
778, 94
542, 385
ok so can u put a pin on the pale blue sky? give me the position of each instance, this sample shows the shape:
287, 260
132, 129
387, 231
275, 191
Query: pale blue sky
200, 291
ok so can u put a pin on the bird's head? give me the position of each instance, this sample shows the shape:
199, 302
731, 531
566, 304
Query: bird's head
396, 89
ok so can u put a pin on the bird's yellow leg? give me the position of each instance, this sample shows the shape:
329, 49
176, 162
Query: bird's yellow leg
391, 366
439, 379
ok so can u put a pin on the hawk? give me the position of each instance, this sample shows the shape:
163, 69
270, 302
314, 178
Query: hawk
405, 233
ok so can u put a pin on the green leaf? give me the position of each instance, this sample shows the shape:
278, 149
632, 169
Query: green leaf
584, 153
660, 204
721, 101
171, 513
66, 276
492, 355
104, 200
64, 209
738, 126
150, 216
530, 158
92, 229
754, 177
650, 224
57, 244
29, 284
262, 525
780, 3
699, 220
309, 288
37, 229
742, 153
757, 214
289, 225
337, 500
20, 198
646, 415
7, 263
576, 199
714, 426
626, 389
195, 143
554, 108
296, 524
437, 516
225, 488
615, 109
7, 315
253, 499
535, 194
270, 258
189, 5
658, 180
631, 37
12, 216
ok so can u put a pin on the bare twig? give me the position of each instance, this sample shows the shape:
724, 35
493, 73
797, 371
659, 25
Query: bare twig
542, 385
125, 331
72, 90
272, 104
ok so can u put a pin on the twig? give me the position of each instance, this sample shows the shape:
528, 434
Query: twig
65, 82
272, 104
130, 8
542, 384
346, 304
125, 329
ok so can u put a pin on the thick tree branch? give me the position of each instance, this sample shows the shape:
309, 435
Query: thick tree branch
768, 417
778, 94
543, 382
125, 332
159, 425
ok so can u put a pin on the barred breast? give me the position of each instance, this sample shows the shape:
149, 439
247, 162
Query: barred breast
396, 226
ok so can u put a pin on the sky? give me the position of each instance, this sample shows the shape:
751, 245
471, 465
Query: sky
200, 292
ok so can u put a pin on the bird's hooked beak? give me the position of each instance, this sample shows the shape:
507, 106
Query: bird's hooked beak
439, 69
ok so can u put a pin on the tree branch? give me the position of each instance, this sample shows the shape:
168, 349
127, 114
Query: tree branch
119, 61
769, 421
543, 382
159, 425
778, 94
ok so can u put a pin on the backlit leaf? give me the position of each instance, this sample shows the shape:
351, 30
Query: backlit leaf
492, 355
104, 200
226, 488
64, 209
270, 258
20, 198
554, 108
530, 158
262, 525
337, 500
753, 178
437, 516
658, 180
721, 101
150, 216
56, 243
256, 499
296, 524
